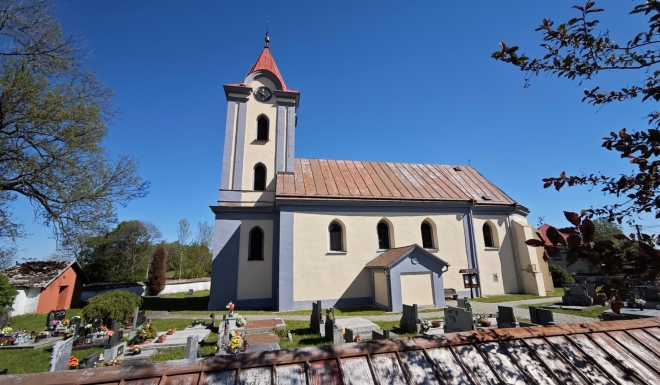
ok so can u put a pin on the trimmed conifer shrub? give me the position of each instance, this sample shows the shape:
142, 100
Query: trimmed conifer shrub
560, 276
158, 271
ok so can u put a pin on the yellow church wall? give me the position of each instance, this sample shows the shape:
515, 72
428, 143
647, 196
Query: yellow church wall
417, 288
260, 152
497, 266
255, 277
321, 274
380, 289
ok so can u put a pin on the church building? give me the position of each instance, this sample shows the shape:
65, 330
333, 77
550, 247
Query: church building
291, 231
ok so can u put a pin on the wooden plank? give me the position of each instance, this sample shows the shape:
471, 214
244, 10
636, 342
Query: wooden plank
348, 178
561, 370
570, 353
388, 370
446, 364
641, 350
421, 181
504, 366
308, 179
380, 173
394, 180
421, 371
602, 359
324, 373
645, 338
475, 364
525, 360
143, 381
429, 184
404, 181
357, 177
318, 177
338, 177
256, 376
327, 177
291, 375
628, 360
375, 185
181, 379
298, 174
289, 184
220, 378
356, 371
445, 183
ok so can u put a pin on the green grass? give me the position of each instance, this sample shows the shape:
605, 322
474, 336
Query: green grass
558, 292
37, 322
179, 301
168, 354
591, 312
35, 360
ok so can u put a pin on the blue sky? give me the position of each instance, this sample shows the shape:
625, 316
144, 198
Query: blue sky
400, 81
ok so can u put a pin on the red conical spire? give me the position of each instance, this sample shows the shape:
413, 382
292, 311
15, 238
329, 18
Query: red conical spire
267, 63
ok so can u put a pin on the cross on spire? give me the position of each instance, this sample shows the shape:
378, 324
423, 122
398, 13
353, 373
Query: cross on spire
267, 39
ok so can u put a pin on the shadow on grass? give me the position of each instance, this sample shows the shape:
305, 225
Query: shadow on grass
175, 303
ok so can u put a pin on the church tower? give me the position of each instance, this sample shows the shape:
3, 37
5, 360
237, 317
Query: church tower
259, 135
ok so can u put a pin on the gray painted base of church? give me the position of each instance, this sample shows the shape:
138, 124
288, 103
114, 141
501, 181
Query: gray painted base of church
326, 303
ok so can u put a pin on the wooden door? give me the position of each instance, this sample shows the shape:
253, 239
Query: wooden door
61, 298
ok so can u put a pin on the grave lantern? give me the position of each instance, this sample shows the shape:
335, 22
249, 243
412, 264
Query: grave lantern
470, 279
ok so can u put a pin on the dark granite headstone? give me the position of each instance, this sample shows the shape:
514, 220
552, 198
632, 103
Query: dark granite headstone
54, 315
190, 291
506, 318
116, 336
75, 324
579, 294
96, 323
458, 320
316, 319
541, 316
89, 361
410, 319
332, 331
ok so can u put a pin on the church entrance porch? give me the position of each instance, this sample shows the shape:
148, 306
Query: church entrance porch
409, 275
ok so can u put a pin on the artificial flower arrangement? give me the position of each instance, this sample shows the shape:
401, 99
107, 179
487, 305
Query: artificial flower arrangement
236, 342
134, 350
640, 301
7, 330
425, 324
104, 329
65, 322
161, 338
358, 339
73, 362
240, 321
110, 333
171, 331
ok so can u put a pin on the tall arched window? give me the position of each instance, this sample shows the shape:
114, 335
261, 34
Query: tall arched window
427, 235
259, 177
262, 128
383, 236
256, 251
488, 236
336, 237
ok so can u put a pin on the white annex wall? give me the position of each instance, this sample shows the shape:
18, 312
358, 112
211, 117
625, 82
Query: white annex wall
417, 288
255, 277
497, 265
26, 301
173, 286
320, 274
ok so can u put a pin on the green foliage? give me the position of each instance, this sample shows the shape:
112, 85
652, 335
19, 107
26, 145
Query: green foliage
158, 270
113, 305
560, 276
55, 116
579, 49
147, 332
605, 230
7, 294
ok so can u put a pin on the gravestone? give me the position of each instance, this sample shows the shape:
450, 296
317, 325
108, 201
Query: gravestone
54, 315
506, 318
212, 316
316, 319
349, 336
541, 316
114, 351
96, 323
462, 303
332, 332
190, 291
61, 353
579, 294
4, 321
458, 320
410, 319
192, 345
385, 335
75, 324
139, 317
116, 335
89, 361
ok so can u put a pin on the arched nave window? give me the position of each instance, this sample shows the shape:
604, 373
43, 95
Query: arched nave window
262, 128
427, 235
383, 235
256, 251
259, 177
335, 232
488, 236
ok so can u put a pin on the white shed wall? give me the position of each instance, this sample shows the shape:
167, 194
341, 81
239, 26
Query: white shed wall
26, 301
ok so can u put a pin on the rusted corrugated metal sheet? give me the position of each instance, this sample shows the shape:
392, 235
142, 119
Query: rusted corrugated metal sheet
324, 178
613, 352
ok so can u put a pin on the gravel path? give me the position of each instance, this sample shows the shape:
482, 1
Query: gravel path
477, 308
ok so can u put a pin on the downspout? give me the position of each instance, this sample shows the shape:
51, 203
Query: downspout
473, 247
513, 247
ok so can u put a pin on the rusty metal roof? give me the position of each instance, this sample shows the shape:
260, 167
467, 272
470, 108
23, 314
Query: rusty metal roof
327, 178
40, 273
612, 352
390, 257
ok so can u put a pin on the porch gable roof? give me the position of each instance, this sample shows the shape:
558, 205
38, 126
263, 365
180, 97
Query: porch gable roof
392, 257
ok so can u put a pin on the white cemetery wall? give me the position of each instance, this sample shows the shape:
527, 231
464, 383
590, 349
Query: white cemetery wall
141, 289
26, 301
183, 286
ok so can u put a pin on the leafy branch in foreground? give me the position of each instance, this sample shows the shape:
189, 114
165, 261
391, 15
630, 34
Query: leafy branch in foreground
576, 50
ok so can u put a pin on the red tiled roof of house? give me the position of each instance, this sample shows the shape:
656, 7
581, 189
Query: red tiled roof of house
544, 229
266, 62
348, 179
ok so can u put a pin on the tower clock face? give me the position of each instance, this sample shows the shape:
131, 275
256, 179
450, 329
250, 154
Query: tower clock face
263, 94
